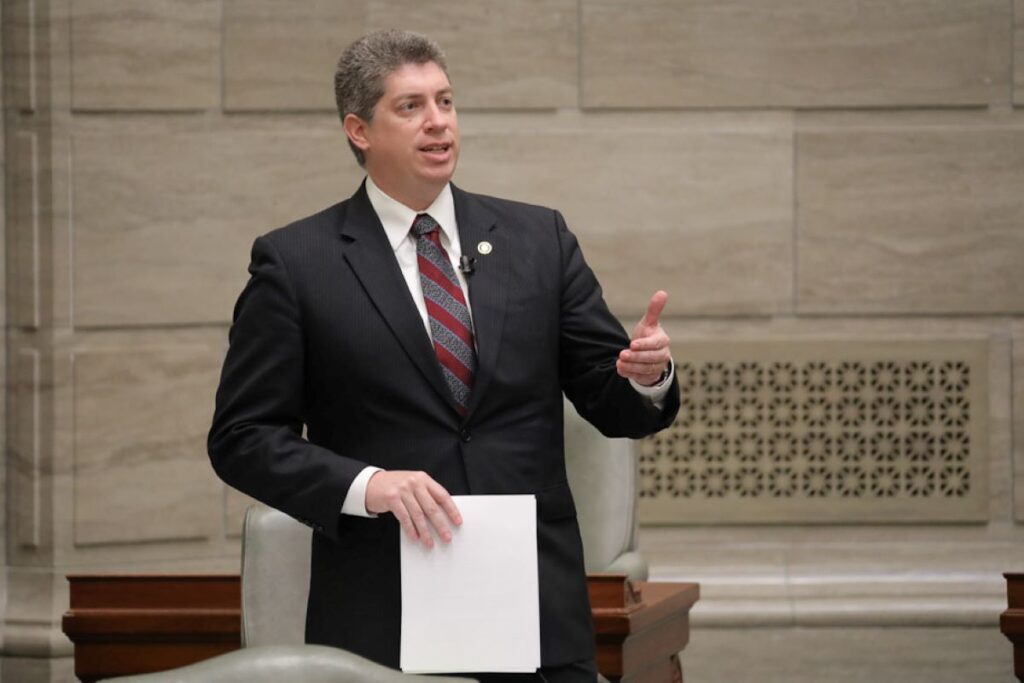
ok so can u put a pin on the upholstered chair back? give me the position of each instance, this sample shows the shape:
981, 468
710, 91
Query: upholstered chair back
291, 663
603, 477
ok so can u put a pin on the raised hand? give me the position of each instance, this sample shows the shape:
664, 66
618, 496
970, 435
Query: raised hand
648, 354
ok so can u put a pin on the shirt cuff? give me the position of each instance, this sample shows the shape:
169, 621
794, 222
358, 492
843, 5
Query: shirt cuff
657, 393
355, 499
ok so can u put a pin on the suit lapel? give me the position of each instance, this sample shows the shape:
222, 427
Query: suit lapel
371, 258
488, 285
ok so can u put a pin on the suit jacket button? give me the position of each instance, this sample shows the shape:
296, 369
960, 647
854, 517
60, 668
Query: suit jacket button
465, 436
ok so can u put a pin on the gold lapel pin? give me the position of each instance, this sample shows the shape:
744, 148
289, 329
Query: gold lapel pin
484, 248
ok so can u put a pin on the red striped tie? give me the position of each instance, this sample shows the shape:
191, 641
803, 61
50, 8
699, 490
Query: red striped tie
450, 325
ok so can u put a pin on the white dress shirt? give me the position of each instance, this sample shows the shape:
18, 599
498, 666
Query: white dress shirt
397, 220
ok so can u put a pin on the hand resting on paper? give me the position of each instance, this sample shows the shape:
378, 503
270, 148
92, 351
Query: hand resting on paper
417, 502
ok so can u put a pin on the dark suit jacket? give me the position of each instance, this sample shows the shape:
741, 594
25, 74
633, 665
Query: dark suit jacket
326, 335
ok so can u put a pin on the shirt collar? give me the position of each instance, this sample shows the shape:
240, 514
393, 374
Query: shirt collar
397, 218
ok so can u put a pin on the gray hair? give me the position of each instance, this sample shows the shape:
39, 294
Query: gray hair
366, 63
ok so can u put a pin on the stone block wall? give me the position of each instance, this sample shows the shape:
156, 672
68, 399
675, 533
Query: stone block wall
800, 174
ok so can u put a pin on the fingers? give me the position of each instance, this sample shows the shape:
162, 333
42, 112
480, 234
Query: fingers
658, 356
648, 354
420, 504
447, 504
401, 514
655, 341
417, 518
431, 511
648, 335
642, 373
632, 363
646, 358
654, 309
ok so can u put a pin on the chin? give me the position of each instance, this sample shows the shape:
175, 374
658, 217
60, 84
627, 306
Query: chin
439, 176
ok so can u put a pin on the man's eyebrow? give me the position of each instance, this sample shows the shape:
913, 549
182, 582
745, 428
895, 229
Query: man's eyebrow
413, 95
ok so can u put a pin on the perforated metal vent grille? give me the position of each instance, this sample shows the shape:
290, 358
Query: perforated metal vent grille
822, 432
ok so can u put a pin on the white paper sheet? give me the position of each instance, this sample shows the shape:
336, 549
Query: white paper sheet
472, 605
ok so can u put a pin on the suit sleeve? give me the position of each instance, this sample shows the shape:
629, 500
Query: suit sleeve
255, 442
589, 344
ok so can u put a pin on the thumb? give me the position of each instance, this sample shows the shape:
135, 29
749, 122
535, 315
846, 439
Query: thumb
654, 309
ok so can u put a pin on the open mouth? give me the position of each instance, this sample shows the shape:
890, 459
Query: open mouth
440, 147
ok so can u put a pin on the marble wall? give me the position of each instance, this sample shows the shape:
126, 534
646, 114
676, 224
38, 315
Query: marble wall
799, 172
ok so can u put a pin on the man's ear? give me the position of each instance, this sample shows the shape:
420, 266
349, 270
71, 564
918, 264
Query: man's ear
355, 129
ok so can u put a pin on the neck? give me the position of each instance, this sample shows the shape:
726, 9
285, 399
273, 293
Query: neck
418, 200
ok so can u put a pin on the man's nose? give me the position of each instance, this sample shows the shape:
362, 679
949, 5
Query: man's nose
436, 118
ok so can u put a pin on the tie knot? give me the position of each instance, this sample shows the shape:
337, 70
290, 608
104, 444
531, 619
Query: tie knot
423, 225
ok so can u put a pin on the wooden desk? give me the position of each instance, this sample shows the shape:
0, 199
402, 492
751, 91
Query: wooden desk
125, 624
638, 639
1011, 622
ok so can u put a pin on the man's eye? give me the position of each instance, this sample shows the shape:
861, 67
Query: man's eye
408, 106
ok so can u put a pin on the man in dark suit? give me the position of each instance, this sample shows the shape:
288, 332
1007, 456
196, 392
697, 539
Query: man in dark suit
424, 336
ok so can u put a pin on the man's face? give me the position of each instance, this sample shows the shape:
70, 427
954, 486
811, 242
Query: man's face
412, 143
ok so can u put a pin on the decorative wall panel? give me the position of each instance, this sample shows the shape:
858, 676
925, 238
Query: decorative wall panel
281, 55
181, 232
24, 230
916, 214
24, 449
158, 54
141, 472
21, 37
829, 432
794, 53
